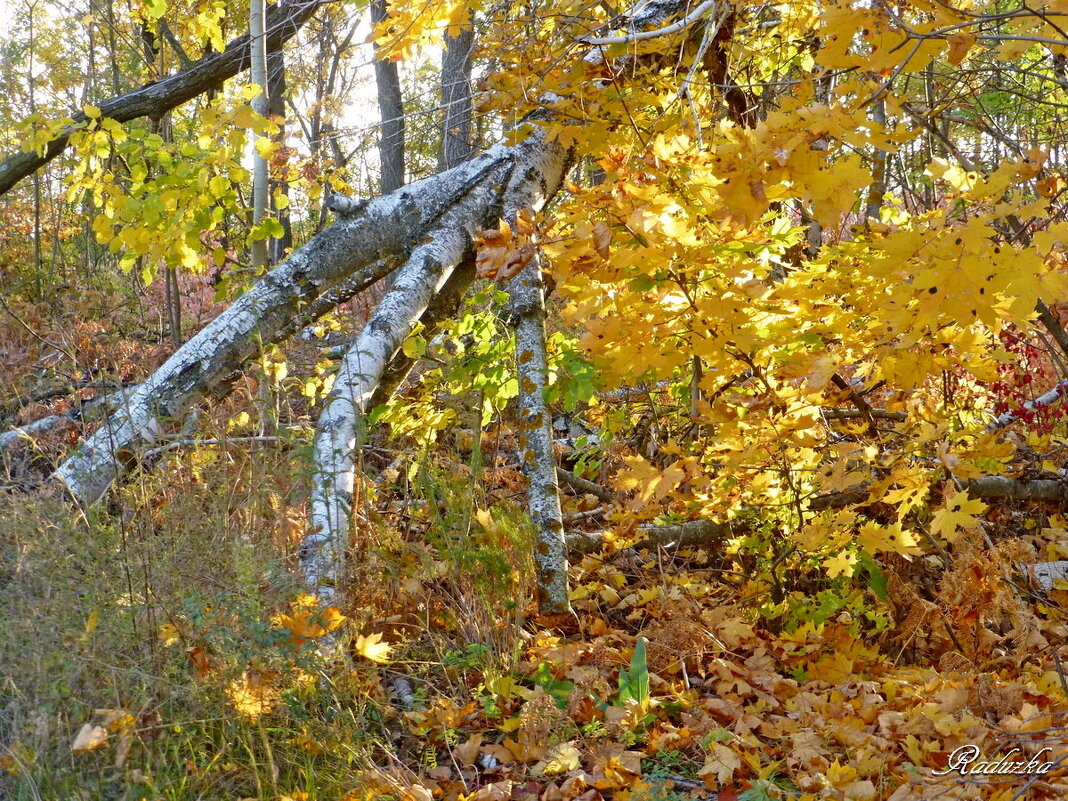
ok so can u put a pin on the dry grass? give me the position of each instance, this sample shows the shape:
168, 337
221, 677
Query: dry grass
159, 604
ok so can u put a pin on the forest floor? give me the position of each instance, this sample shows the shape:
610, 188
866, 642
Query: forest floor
159, 646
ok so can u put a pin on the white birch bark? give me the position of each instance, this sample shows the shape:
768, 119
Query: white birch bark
531, 188
361, 370
384, 232
258, 74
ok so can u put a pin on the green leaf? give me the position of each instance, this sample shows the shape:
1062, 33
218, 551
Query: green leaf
414, 347
267, 228
876, 577
634, 683
218, 185
156, 8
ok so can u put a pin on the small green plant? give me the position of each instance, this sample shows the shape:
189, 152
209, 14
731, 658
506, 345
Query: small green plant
774, 788
474, 655
634, 683
659, 777
557, 688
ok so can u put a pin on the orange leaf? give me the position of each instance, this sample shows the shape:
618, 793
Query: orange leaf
959, 45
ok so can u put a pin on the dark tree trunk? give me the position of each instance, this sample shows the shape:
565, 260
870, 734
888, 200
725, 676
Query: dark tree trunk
279, 186
456, 97
391, 110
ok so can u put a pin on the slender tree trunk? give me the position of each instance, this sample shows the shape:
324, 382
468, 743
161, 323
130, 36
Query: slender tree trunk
37, 278
527, 311
276, 110
258, 74
391, 111
878, 173
456, 98
113, 49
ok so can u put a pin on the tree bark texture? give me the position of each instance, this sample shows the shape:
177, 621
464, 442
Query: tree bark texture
391, 112
377, 240
531, 190
456, 97
258, 75
279, 185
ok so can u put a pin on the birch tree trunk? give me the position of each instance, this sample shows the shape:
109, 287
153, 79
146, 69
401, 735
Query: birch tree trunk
258, 74
533, 175
375, 241
527, 313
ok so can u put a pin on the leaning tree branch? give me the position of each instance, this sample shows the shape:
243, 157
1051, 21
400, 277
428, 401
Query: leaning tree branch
680, 535
158, 97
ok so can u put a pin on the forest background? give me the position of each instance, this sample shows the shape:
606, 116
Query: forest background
544, 400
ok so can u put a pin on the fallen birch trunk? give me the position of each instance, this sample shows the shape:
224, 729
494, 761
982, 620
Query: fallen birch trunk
525, 181
86, 411
348, 256
414, 286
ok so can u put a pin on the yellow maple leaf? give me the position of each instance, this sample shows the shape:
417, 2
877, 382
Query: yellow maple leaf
307, 621
371, 647
957, 515
562, 758
840, 565
875, 538
721, 762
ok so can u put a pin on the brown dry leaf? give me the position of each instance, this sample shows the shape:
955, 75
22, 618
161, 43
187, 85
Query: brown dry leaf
417, 793
1050, 186
467, 752
122, 750
504, 252
201, 661
602, 238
